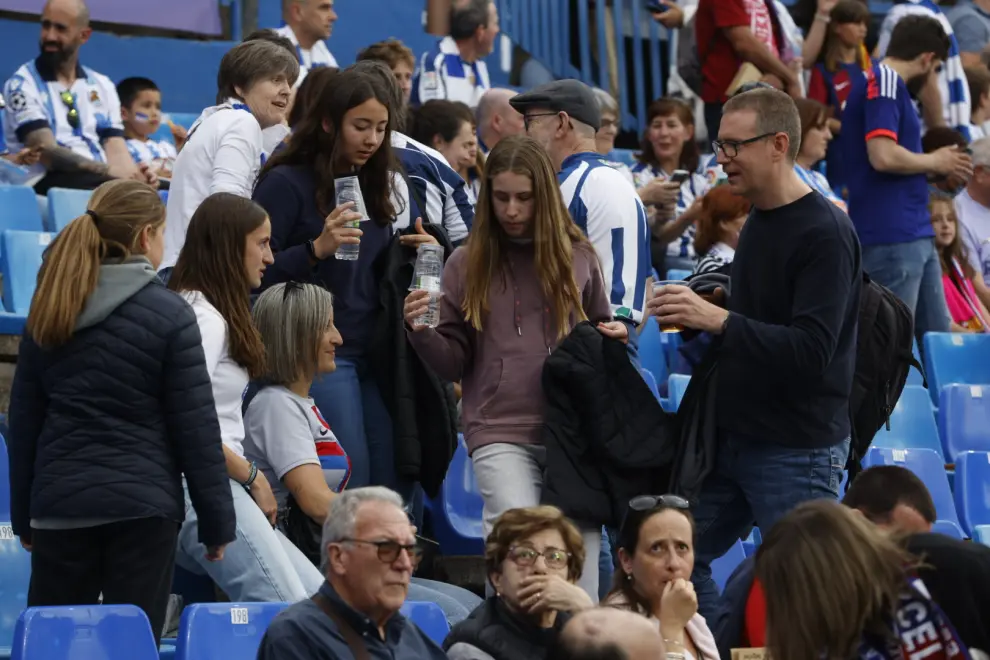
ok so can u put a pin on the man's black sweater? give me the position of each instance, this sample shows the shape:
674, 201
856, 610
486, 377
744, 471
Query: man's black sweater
787, 359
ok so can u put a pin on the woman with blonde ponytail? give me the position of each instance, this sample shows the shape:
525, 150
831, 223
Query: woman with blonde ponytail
525, 278
111, 404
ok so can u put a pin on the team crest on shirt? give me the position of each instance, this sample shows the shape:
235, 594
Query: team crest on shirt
94, 96
430, 80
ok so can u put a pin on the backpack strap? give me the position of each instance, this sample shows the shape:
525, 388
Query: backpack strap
354, 641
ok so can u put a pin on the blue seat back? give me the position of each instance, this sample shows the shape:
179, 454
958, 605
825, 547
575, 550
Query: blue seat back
912, 423
224, 630
929, 467
948, 528
964, 419
678, 274
651, 382
19, 209
65, 205
457, 521
429, 617
15, 577
90, 632
973, 489
677, 386
4, 480
956, 357
22, 252
723, 566
651, 350
914, 375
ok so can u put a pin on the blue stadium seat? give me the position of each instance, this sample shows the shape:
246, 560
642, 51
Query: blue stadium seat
12, 324
982, 534
429, 617
964, 419
677, 387
956, 357
457, 511
84, 632
4, 480
19, 209
223, 630
723, 566
65, 205
753, 541
675, 274
23, 250
914, 375
651, 350
651, 382
15, 577
948, 528
973, 489
929, 467
912, 423
624, 156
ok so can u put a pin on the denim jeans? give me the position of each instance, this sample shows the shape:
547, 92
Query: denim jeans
913, 273
261, 565
457, 603
755, 481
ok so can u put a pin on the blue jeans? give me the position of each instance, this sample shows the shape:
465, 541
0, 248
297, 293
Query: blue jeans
457, 603
755, 481
913, 273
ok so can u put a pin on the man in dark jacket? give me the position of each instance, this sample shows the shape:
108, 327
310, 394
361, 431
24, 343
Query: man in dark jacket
102, 429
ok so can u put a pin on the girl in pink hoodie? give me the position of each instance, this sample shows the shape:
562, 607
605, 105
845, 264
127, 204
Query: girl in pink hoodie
525, 278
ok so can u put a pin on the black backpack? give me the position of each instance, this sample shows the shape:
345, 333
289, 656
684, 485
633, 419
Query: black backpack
883, 359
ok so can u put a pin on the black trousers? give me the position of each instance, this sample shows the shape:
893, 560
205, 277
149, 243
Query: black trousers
73, 180
129, 562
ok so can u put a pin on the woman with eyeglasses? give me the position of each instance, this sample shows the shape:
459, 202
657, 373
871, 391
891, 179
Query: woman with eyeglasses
609, 129
656, 557
533, 559
226, 253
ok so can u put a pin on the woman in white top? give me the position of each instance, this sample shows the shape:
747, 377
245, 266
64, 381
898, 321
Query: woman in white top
224, 257
225, 147
656, 556
609, 129
669, 145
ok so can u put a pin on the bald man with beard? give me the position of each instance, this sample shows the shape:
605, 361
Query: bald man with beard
608, 634
497, 119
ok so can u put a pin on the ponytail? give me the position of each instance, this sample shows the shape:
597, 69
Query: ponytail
117, 213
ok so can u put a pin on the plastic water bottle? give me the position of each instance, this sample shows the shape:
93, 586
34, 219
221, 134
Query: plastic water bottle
348, 189
428, 276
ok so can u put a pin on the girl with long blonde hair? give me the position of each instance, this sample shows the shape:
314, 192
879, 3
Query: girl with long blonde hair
525, 278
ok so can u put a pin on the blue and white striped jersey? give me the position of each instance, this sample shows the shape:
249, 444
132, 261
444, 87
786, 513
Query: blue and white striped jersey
441, 188
956, 104
607, 209
443, 74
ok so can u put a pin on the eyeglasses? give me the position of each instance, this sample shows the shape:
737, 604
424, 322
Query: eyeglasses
750, 86
72, 112
525, 556
528, 119
290, 286
730, 148
388, 551
647, 502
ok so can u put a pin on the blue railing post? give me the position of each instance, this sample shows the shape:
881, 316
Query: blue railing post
603, 64
585, 42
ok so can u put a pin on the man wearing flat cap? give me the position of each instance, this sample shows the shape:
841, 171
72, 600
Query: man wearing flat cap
563, 116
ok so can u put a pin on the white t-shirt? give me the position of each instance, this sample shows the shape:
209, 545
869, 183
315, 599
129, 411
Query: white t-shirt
229, 379
317, 56
974, 229
224, 152
285, 430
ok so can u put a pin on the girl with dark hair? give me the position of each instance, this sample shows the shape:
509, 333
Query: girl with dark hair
224, 258
656, 557
669, 145
344, 131
110, 407
965, 307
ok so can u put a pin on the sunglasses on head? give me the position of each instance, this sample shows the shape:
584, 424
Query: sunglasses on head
645, 503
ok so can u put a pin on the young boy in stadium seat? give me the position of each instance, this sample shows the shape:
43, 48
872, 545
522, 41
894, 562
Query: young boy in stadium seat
141, 112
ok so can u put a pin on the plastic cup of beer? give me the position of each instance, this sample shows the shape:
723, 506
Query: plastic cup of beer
657, 286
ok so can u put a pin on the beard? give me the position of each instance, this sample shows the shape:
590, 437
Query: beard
55, 58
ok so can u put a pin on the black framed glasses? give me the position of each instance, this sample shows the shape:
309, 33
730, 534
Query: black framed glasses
730, 148
389, 551
523, 555
528, 119
72, 112
290, 286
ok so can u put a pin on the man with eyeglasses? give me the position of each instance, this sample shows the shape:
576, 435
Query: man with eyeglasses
369, 552
885, 170
973, 209
68, 112
786, 344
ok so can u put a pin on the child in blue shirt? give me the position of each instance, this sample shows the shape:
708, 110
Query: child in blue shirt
141, 112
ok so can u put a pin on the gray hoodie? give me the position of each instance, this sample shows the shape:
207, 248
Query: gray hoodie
118, 282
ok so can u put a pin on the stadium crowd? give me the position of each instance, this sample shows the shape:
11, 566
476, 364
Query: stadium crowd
233, 364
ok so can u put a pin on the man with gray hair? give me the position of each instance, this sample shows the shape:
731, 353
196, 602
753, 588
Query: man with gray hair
607, 633
786, 343
369, 555
454, 69
973, 210
308, 24
497, 119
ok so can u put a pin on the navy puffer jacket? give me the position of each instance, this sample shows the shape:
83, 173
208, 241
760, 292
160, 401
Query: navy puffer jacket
103, 427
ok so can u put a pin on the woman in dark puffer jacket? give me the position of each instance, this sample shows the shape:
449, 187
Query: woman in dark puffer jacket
111, 404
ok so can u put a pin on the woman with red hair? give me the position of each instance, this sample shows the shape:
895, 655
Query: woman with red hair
720, 222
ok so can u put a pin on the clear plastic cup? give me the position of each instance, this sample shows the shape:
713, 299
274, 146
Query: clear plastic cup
672, 327
348, 189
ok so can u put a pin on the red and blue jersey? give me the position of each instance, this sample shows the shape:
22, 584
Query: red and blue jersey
333, 459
